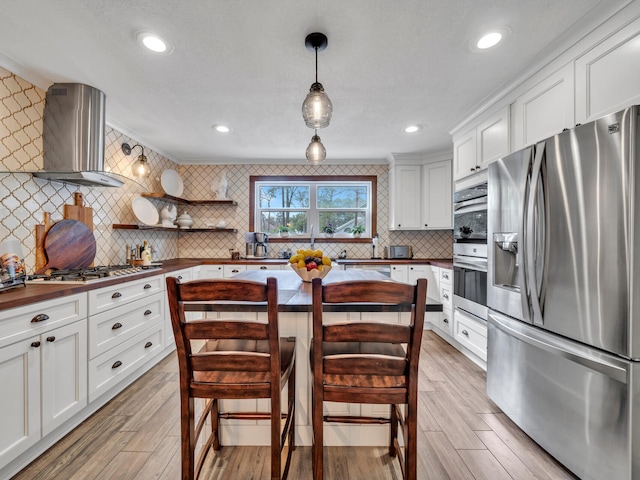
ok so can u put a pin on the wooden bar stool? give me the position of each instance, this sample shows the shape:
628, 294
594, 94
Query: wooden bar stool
240, 359
365, 362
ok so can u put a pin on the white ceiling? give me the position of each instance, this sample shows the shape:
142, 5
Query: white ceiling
244, 63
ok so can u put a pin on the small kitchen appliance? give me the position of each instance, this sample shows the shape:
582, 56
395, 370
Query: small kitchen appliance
260, 250
400, 251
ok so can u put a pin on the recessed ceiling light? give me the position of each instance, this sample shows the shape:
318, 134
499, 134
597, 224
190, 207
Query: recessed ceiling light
153, 42
222, 128
412, 129
490, 39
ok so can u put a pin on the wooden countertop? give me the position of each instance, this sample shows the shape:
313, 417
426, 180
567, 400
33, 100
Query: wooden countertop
294, 295
33, 293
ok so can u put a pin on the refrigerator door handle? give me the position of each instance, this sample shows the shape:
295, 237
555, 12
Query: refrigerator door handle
564, 349
532, 231
525, 292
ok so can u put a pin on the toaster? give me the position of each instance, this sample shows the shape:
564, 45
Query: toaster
400, 251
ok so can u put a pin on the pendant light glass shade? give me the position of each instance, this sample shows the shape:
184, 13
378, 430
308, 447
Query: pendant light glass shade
316, 153
317, 108
140, 167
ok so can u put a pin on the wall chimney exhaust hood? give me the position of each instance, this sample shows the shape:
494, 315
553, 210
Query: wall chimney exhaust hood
73, 136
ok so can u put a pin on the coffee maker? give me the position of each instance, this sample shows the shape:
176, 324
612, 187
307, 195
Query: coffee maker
260, 250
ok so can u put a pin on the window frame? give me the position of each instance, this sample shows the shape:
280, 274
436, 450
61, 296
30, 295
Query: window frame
318, 236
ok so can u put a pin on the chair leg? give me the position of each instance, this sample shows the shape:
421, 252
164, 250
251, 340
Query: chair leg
411, 440
317, 424
215, 424
187, 432
276, 468
291, 393
393, 431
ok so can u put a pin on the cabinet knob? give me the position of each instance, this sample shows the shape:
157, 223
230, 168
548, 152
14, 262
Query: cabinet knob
445, 296
116, 326
51, 339
179, 277
465, 333
426, 224
147, 312
116, 295
41, 317
148, 344
445, 275
147, 286
445, 320
116, 364
35, 344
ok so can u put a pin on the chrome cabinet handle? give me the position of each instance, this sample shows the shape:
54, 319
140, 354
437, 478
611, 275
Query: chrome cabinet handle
179, 277
445, 296
465, 333
147, 286
41, 317
116, 295
445, 275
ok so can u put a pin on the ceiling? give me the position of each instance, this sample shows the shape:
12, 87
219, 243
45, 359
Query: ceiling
243, 63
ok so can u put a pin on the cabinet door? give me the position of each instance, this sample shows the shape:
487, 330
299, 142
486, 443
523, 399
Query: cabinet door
431, 274
464, 155
211, 271
20, 399
437, 196
64, 374
493, 138
399, 273
545, 109
406, 213
608, 75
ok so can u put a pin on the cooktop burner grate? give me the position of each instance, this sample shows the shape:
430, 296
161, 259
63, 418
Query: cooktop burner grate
87, 275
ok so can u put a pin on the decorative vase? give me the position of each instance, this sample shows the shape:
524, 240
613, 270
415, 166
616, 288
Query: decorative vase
328, 235
222, 186
284, 234
357, 235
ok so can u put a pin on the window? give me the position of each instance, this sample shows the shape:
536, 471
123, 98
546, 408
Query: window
327, 203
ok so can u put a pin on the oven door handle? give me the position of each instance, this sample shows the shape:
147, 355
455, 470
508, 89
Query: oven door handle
469, 204
480, 264
476, 207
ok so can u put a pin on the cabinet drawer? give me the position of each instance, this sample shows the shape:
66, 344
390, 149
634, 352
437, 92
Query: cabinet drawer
108, 369
446, 277
23, 322
264, 267
210, 271
107, 298
471, 333
184, 275
446, 321
111, 328
446, 297
233, 270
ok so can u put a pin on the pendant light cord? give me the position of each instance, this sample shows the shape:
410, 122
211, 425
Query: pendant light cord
316, 48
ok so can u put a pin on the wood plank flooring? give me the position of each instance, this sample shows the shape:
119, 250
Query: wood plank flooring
461, 435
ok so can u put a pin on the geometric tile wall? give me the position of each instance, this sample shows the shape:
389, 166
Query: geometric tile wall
23, 199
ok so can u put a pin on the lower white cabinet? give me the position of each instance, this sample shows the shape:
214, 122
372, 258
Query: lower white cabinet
43, 373
229, 271
470, 333
210, 271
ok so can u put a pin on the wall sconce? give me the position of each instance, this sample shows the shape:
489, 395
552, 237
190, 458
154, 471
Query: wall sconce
140, 167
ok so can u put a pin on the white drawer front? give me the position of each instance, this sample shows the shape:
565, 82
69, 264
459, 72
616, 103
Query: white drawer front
446, 297
111, 328
107, 370
23, 322
470, 333
264, 267
446, 277
184, 275
210, 271
233, 270
446, 321
107, 298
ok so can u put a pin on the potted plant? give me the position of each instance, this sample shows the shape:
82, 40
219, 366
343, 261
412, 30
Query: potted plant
357, 231
329, 230
284, 230
465, 231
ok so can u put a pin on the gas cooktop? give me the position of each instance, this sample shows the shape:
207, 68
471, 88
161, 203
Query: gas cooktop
88, 275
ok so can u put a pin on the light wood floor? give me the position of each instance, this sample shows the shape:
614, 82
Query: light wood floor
462, 435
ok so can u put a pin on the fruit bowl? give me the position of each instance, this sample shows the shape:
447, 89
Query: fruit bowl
308, 275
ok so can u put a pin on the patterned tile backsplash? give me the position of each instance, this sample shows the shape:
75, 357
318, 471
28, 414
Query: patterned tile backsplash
23, 199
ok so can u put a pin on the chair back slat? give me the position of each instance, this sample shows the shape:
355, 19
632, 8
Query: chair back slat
364, 365
231, 361
366, 332
225, 329
223, 290
376, 291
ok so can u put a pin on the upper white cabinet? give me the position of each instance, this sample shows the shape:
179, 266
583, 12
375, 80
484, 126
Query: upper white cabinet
608, 75
475, 150
421, 195
545, 109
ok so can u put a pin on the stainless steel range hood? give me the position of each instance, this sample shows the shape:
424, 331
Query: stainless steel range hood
73, 136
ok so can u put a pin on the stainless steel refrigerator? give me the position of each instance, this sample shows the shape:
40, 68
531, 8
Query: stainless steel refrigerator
564, 296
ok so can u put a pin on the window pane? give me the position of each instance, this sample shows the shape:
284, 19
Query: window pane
283, 196
336, 196
271, 221
342, 222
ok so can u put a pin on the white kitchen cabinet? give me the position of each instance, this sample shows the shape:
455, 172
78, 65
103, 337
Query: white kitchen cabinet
43, 372
608, 75
545, 109
230, 271
211, 271
474, 150
400, 273
184, 275
470, 333
437, 196
107, 298
420, 194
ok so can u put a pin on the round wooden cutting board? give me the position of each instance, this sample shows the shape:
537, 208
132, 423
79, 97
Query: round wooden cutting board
69, 244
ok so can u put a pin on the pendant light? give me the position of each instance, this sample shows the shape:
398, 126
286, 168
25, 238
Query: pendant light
316, 108
316, 153
140, 167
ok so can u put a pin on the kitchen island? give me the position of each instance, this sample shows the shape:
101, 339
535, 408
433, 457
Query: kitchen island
295, 319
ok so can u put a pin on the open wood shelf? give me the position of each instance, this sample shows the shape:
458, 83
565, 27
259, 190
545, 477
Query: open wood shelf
130, 226
172, 199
